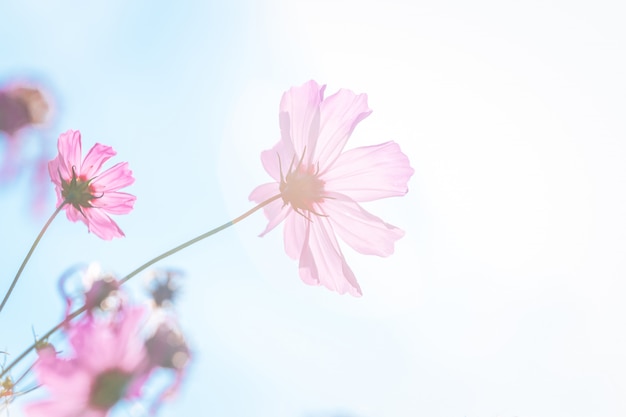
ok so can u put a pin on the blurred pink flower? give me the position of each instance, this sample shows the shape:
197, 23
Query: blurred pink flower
108, 363
320, 185
87, 194
24, 106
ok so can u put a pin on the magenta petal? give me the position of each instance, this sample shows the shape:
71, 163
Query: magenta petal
96, 156
363, 231
370, 172
114, 178
322, 260
115, 202
299, 116
70, 151
54, 169
340, 113
74, 215
102, 225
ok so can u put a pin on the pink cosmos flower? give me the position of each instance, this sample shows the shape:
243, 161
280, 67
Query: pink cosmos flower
321, 185
108, 364
87, 194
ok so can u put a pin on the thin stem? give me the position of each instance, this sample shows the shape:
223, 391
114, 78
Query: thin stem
138, 270
44, 337
199, 238
30, 252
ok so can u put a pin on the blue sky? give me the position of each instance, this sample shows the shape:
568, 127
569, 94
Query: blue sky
505, 297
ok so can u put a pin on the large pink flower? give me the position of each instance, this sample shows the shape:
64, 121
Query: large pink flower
108, 363
87, 194
321, 185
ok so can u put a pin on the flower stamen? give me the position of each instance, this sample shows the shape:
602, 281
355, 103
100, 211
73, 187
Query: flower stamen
301, 187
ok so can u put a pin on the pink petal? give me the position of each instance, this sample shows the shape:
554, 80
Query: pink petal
54, 408
307, 268
70, 150
91, 343
59, 375
340, 113
370, 172
102, 345
72, 386
94, 412
363, 231
276, 211
299, 117
96, 156
264, 192
130, 347
322, 261
295, 234
277, 158
101, 225
74, 215
115, 202
54, 171
62, 377
114, 178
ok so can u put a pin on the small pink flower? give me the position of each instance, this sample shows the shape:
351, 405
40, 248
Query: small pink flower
109, 363
88, 195
321, 185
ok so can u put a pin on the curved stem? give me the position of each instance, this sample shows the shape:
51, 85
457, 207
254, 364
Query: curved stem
199, 238
28, 255
138, 270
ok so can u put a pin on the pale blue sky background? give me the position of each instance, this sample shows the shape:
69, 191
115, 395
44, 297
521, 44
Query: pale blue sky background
504, 299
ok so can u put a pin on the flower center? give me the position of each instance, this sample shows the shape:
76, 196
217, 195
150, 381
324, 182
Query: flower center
108, 388
301, 188
77, 191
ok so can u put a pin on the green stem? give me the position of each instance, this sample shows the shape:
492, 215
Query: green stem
197, 239
44, 337
30, 252
138, 270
